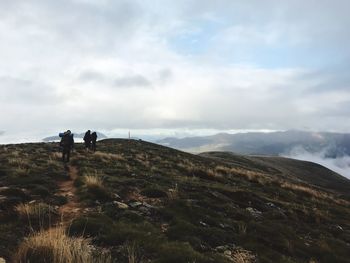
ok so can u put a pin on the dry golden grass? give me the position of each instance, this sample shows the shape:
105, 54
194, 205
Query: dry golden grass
143, 159
32, 210
132, 252
14, 153
250, 175
173, 193
242, 228
55, 156
55, 246
305, 189
19, 162
264, 179
193, 169
109, 156
93, 181
241, 255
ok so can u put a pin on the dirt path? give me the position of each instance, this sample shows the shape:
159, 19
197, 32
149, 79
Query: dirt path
72, 208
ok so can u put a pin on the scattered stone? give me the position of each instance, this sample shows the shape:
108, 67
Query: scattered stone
135, 204
144, 210
120, 205
221, 248
203, 224
224, 226
339, 227
148, 205
228, 253
164, 227
254, 212
116, 196
272, 205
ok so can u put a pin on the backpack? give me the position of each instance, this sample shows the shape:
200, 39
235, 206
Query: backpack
66, 140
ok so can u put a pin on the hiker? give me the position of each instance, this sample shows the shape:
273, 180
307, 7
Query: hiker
93, 141
87, 140
67, 143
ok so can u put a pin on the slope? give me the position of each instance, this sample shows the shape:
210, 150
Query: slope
151, 203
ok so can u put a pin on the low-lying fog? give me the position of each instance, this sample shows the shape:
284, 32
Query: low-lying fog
340, 165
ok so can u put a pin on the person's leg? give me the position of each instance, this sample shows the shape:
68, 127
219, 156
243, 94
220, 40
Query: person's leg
63, 155
68, 155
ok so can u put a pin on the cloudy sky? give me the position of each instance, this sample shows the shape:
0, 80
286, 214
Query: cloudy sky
186, 65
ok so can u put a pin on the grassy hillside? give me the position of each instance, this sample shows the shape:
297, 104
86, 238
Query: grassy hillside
134, 201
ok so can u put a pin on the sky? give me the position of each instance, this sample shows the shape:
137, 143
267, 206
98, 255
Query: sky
181, 67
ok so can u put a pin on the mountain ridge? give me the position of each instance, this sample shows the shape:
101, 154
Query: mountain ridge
156, 203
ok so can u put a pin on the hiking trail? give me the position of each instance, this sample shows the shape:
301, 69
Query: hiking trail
72, 208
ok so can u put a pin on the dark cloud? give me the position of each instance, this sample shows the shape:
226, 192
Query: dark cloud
132, 81
126, 81
16, 90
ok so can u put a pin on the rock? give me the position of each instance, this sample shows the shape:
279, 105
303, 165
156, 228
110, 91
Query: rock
271, 205
339, 227
203, 224
120, 205
144, 210
116, 196
224, 226
254, 212
221, 248
228, 253
135, 204
164, 227
148, 205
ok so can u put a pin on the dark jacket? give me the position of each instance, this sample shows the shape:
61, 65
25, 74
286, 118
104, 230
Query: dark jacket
67, 141
94, 137
87, 137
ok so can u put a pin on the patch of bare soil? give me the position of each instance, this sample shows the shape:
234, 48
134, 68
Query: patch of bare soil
72, 208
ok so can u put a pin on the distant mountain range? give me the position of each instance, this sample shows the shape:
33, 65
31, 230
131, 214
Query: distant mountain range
76, 135
258, 143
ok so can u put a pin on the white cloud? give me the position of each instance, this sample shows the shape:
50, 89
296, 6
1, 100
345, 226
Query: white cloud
117, 64
340, 165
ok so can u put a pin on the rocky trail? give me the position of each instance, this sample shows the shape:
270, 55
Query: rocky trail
72, 208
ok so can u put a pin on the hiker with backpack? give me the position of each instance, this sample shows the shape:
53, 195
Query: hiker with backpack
93, 141
87, 140
66, 143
